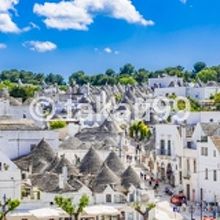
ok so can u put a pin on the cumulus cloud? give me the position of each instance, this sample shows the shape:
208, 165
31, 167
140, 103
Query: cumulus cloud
40, 46
6, 23
108, 50
3, 46
79, 14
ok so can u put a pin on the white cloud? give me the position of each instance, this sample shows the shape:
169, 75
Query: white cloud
108, 50
30, 27
79, 14
3, 46
40, 46
6, 23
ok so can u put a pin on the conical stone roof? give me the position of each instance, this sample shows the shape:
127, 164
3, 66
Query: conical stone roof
114, 163
105, 177
91, 162
59, 163
130, 177
39, 159
43, 150
109, 126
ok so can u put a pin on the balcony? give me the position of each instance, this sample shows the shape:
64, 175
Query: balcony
187, 175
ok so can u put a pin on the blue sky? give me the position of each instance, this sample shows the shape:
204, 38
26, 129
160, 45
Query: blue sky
92, 35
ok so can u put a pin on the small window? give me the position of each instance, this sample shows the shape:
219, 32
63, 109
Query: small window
108, 198
181, 177
0, 166
215, 175
23, 176
204, 139
180, 162
204, 151
131, 197
194, 166
206, 174
188, 165
214, 153
162, 147
189, 144
169, 148
38, 195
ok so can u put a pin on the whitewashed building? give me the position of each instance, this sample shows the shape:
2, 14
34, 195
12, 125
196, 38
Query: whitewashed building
17, 137
10, 179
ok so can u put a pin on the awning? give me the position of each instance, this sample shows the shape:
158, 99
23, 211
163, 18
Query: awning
48, 213
101, 210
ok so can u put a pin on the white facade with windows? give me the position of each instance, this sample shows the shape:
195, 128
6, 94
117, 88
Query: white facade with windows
10, 179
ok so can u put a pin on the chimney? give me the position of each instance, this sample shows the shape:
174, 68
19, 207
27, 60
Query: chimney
61, 181
30, 168
64, 173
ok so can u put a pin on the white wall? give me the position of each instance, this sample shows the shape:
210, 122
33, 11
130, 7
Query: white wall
210, 187
18, 143
178, 91
200, 117
10, 179
164, 81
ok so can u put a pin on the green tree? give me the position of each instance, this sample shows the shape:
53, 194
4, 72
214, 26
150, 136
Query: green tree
127, 69
217, 101
217, 98
207, 74
54, 79
194, 105
8, 206
175, 71
23, 92
217, 69
27, 77
79, 77
141, 76
71, 209
110, 72
144, 209
57, 124
139, 131
199, 66
127, 80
